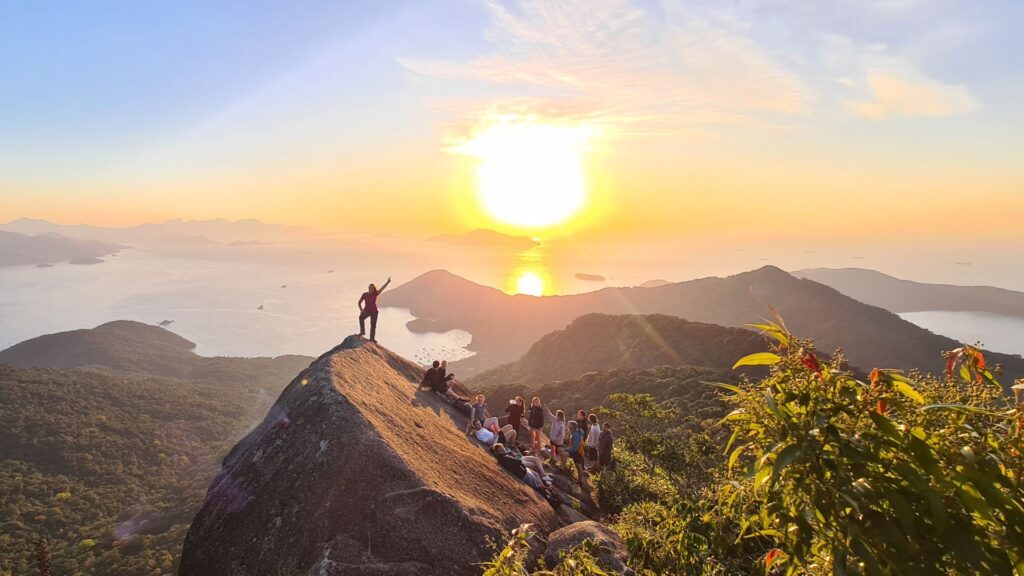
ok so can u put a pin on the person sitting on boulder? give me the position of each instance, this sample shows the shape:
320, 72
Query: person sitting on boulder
368, 309
533, 462
488, 432
435, 379
479, 411
518, 468
443, 377
575, 449
430, 377
536, 422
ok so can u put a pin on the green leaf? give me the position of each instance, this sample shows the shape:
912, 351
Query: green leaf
729, 387
757, 359
735, 455
961, 408
787, 456
908, 391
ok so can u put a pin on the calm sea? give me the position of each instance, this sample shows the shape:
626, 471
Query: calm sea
213, 294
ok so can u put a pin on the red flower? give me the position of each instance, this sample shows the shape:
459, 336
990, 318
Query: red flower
883, 407
770, 557
811, 362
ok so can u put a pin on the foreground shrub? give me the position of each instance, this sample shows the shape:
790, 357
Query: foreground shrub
888, 476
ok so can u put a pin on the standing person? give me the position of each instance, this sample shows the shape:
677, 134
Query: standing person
536, 422
515, 411
368, 309
604, 447
557, 436
575, 449
581, 421
592, 440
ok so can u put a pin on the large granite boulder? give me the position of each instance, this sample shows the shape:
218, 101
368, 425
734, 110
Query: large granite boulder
615, 557
356, 471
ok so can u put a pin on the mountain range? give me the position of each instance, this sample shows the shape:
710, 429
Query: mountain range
177, 231
42, 249
601, 342
897, 295
504, 326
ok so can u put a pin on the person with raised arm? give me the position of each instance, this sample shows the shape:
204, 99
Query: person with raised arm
368, 309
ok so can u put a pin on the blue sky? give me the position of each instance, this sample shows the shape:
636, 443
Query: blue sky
158, 109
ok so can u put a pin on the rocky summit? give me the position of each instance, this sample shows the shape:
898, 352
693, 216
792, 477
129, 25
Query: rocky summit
356, 471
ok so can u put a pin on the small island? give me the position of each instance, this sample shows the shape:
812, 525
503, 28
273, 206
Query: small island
590, 277
87, 261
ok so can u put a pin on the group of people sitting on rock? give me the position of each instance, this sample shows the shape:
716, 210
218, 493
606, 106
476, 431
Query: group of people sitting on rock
583, 440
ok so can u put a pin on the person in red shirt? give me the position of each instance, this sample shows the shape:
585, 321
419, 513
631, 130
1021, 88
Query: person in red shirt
368, 309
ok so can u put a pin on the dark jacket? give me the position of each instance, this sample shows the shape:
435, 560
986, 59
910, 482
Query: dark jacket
515, 415
536, 417
604, 447
513, 465
430, 378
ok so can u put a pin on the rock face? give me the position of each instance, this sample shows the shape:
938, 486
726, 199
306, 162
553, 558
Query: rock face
564, 539
355, 471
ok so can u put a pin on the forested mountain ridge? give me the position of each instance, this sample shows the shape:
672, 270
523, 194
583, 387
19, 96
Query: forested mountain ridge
600, 342
108, 464
504, 326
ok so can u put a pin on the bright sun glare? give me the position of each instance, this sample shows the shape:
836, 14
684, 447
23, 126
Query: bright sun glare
530, 283
530, 174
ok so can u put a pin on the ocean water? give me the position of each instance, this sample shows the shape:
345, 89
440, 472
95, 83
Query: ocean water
994, 331
212, 294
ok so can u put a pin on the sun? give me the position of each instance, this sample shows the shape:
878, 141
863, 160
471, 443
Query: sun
530, 174
530, 283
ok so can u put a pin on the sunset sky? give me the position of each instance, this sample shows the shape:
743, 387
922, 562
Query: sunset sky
596, 117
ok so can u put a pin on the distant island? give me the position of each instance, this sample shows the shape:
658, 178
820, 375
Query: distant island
171, 232
250, 243
86, 261
590, 277
654, 283
898, 295
486, 238
42, 250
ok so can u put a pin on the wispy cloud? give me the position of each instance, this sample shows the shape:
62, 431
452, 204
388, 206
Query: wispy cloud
612, 62
915, 95
889, 85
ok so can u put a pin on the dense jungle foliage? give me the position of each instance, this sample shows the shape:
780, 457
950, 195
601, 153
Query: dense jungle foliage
815, 471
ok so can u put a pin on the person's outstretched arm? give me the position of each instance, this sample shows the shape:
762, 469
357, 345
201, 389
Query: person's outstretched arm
381, 289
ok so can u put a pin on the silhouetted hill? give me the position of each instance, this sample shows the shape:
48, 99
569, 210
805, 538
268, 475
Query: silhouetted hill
898, 295
108, 465
597, 342
129, 348
21, 249
503, 326
186, 232
484, 238
356, 471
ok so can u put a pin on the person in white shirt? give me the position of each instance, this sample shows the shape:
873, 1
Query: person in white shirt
592, 438
489, 432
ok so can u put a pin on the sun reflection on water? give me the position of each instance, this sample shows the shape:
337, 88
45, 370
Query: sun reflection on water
530, 275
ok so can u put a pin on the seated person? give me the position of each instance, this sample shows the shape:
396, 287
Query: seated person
530, 461
489, 432
437, 380
518, 469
